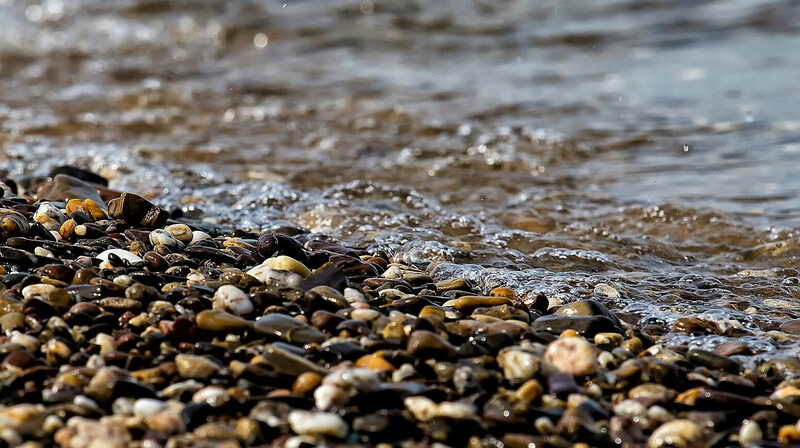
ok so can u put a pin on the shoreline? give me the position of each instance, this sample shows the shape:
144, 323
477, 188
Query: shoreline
125, 327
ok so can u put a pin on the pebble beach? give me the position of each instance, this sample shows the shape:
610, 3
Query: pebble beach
125, 326
366, 223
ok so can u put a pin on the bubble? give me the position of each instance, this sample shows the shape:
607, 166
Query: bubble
685, 147
260, 40
34, 13
367, 7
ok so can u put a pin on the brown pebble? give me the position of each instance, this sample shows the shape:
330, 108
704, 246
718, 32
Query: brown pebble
470, 302
306, 382
426, 344
502, 291
732, 348
375, 362
791, 326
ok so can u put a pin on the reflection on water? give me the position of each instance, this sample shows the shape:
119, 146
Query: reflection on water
551, 146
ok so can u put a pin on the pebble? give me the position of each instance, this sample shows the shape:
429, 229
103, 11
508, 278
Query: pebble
471, 302
122, 254
317, 424
197, 367
220, 321
289, 329
679, 433
425, 344
233, 299
518, 364
64, 187
574, 356
285, 263
145, 407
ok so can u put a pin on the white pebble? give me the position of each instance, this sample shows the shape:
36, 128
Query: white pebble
215, 396
233, 299
199, 235
676, 433
750, 434
518, 364
317, 424
123, 254
285, 263
329, 396
41, 290
123, 406
352, 295
145, 407
161, 236
274, 277
572, 355
180, 232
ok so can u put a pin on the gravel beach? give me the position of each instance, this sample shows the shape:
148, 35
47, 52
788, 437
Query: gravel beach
123, 325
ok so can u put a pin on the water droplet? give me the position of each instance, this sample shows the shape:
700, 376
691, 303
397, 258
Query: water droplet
260, 40
685, 147
749, 117
620, 98
367, 7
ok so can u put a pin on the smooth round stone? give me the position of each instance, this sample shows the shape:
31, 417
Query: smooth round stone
791, 326
587, 326
167, 422
424, 409
375, 363
276, 278
161, 236
214, 396
12, 321
287, 363
502, 291
470, 302
354, 379
180, 232
220, 321
121, 253
37, 290
680, 433
305, 383
574, 356
712, 360
64, 187
286, 263
145, 407
518, 364
426, 345
750, 434
25, 418
317, 424
289, 329
329, 396
229, 297
452, 284
657, 392
199, 235
193, 366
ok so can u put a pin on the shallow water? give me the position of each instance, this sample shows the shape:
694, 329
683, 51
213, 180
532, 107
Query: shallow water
549, 146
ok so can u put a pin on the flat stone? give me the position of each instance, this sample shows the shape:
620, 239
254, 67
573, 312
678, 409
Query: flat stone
425, 344
587, 326
64, 187
220, 321
288, 329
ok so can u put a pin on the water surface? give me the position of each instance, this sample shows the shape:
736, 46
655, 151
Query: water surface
550, 146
